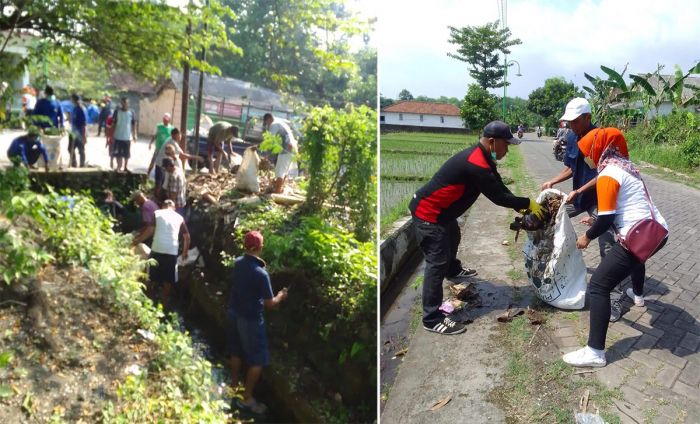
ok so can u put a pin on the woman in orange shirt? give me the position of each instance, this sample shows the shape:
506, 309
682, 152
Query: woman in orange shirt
622, 202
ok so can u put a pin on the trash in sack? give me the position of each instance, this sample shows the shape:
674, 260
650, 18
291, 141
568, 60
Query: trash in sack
247, 175
146, 334
588, 418
554, 265
447, 307
192, 256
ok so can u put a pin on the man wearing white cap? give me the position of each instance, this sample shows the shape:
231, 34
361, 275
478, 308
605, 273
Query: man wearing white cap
583, 197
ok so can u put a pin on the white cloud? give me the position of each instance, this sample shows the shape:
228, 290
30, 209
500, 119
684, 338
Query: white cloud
564, 38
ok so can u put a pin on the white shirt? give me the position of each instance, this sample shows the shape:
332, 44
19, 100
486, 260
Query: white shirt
168, 223
160, 155
289, 143
629, 204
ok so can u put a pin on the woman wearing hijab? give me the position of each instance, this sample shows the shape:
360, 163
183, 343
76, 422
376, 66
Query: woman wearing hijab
622, 202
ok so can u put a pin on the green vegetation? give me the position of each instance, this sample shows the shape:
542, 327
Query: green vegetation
178, 385
672, 141
409, 160
479, 46
340, 149
479, 107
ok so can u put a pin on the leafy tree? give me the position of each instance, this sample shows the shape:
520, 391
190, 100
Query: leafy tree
478, 108
405, 95
299, 47
147, 38
549, 101
480, 47
362, 88
84, 74
385, 101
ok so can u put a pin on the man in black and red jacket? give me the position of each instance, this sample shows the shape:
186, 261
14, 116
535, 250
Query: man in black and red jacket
437, 205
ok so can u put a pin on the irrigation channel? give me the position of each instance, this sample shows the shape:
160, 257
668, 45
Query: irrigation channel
306, 381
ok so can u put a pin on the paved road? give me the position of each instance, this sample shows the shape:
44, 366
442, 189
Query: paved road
654, 350
95, 151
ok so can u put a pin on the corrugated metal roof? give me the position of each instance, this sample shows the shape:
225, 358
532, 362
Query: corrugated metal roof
233, 91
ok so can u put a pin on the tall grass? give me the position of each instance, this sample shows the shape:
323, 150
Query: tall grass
410, 164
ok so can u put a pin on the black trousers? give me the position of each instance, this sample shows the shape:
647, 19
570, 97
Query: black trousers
439, 243
614, 268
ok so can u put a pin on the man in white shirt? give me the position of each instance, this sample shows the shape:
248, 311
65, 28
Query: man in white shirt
169, 225
289, 148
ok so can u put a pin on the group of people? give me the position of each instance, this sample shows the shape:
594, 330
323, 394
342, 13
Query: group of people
250, 291
607, 186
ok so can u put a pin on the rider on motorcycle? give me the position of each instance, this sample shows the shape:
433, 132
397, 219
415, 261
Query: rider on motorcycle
521, 129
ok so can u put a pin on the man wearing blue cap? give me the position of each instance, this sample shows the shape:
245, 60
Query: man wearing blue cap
449, 194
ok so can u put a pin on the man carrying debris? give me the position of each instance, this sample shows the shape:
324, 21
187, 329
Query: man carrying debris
220, 134
26, 149
251, 292
166, 231
450, 193
583, 197
289, 149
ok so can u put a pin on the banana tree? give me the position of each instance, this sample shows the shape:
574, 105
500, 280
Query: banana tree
669, 89
606, 91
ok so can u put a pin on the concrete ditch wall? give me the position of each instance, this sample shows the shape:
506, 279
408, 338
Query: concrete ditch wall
395, 251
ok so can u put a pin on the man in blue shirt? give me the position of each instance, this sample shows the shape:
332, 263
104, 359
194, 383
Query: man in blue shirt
251, 292
50, 108
78, 136
583, 198
27, 148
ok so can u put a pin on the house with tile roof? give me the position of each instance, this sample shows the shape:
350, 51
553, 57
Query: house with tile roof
411, 115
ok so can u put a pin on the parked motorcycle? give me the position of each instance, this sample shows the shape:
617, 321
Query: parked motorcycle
559, 149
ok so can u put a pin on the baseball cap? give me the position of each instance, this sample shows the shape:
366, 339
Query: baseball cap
499, 129
253, 240
575, 108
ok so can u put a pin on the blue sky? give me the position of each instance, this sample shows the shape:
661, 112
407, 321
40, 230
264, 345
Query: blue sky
559, 39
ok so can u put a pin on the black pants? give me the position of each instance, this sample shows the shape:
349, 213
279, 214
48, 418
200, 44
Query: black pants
75, 141
614, 268
439, 243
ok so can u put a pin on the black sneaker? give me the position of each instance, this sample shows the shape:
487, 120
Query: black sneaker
463, 274
447, 326
615, 310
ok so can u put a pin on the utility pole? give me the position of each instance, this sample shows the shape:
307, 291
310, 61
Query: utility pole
185, 94
198, 113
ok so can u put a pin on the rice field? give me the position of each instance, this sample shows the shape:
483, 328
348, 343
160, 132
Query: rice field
410, 164
396, 195
408, 161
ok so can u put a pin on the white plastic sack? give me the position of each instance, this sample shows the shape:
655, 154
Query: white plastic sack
55, 145
559, 276
192, 256
247, 175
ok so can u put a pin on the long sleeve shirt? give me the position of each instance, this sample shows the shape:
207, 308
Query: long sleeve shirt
22, 145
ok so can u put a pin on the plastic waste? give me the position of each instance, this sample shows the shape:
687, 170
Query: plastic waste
247, 175
192, 256
588, 418
554, 265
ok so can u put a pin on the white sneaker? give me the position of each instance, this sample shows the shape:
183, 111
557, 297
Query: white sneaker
638, 300
585, 357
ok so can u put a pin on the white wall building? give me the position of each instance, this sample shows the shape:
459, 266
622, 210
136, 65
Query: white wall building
410, 113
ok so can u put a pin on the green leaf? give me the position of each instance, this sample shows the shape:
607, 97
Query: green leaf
5, 359
644, 83
6, 391
615, 76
